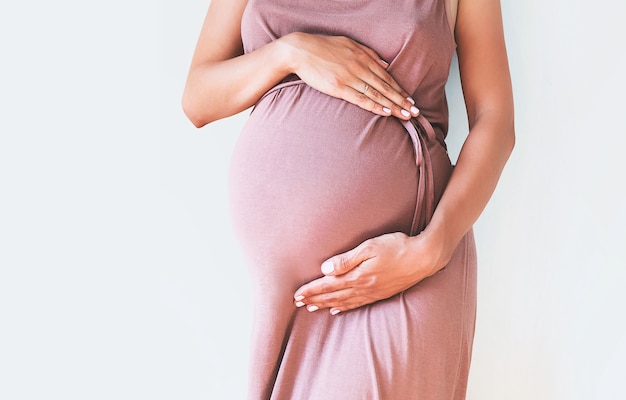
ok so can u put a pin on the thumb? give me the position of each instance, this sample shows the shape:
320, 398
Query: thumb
342, 263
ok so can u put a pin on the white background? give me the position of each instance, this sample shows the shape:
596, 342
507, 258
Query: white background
120, 277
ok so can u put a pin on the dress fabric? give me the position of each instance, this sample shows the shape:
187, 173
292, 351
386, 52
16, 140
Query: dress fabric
313, 176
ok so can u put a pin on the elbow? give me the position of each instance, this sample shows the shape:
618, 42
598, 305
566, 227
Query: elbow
192, 113
504, 129
509, 138
198, 112
197, 121
499, 128
510, 133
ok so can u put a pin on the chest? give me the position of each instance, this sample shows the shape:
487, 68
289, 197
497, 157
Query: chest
388, 27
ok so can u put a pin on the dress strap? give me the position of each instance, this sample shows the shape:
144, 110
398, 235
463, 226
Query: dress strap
418, 129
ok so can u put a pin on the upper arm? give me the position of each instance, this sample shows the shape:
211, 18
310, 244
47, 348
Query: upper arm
220, 36
483, 62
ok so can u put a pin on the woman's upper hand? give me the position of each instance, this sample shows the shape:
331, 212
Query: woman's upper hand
375, 270
342, 68
223, 81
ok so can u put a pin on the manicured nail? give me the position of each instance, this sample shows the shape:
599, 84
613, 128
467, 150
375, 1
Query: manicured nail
384, 62
411, 100
387, 110
299, 304
301, 297
312, 308
405, 113
327, 267
415, 110
335, 312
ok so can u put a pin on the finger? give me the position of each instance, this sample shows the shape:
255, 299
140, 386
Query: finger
351, 305
384, 83
338, 302
343, 299
389, 106
385, 87
368, 95
320, 286
345, 262
374, 56
380, 70
356, 96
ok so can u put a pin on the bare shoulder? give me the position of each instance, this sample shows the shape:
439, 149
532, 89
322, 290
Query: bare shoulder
220, 36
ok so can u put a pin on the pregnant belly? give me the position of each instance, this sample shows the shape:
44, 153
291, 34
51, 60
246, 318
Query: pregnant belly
313, 176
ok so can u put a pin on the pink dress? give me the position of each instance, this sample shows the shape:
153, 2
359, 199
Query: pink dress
313, 176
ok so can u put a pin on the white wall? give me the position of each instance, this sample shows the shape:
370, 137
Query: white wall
119, 275
552, 243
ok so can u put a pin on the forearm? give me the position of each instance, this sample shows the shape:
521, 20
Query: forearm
473, 181
218, 89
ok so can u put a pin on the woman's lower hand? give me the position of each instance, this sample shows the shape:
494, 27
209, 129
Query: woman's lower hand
342, 68
375, 270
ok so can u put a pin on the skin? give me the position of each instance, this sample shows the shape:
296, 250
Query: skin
222, 82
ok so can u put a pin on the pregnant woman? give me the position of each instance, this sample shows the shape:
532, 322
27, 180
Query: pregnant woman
355, 225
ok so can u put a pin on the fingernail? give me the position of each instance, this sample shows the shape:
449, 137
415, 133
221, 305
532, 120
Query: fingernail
299, 298
387, 110
312, 308
411, 100
335, 312
384, 62
327, 267
415, 110
299, 304
405, 113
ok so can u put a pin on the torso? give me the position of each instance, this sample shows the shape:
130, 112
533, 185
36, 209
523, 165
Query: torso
302, 150
313, 176
414, 36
